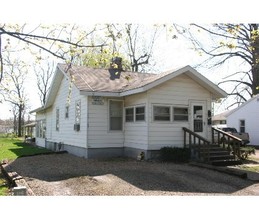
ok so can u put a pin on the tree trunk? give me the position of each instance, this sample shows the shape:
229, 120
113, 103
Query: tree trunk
20, 120
255, 55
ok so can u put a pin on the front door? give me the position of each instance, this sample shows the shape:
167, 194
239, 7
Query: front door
198, 121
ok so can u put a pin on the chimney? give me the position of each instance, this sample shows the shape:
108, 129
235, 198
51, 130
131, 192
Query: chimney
116, 63
115, 68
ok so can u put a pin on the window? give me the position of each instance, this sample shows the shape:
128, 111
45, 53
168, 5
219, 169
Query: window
180, 114
41, 128
140, 113
115, 113
77, 115
242, 127
57, 119
129, 114
67, 111
161, 113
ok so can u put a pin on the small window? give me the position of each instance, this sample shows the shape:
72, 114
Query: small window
57, 119
180, 114
242, 127
140, 113
161, 113
41, 128
116, 112
77, 116
67, 111
129, 114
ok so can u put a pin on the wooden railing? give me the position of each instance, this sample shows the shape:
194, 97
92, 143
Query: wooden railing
196, 142
227, 141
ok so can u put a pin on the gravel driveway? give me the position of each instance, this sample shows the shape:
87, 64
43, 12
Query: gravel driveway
65, 174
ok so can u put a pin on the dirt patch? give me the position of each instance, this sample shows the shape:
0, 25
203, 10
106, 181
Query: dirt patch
65, 174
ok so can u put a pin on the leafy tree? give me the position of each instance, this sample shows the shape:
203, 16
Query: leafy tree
13, 90
236, 44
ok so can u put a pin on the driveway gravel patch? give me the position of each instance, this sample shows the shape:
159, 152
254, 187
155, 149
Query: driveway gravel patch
65, 175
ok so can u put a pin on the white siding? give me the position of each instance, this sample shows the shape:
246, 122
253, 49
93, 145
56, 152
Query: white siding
178, 92
250, 113
136, 133
66, 133
40, 141
99, 135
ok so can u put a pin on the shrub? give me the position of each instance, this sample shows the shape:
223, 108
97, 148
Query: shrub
175, 154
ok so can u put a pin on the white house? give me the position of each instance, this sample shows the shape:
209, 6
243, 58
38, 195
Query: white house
108, 112
245, 118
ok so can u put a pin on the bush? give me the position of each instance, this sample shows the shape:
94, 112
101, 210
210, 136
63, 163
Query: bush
175, 154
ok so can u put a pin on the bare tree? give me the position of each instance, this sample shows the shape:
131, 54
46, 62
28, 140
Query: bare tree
58, 40
44, 74
232, 42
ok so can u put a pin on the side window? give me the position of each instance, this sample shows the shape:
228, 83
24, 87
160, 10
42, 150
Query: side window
77, 115
67, 111
115, 115
129, 114
57, 119
140, 113
161, 113
180, 114
242, 126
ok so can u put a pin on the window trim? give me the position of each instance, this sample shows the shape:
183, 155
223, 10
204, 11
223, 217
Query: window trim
109, 115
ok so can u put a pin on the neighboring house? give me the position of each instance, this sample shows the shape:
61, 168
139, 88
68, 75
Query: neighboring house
245, 118
220, 120
97, 113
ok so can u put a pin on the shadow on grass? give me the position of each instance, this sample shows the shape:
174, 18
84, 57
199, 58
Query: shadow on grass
25, 149
144, 175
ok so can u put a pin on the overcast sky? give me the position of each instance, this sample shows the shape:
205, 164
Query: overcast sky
172, 54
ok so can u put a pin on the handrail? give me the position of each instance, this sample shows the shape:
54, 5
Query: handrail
200, 138
202, 142
236, 142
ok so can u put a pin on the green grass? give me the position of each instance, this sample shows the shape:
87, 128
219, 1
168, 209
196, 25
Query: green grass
3, 186
12, 148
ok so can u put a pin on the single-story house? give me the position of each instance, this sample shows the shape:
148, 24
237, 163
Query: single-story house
96, 113
245, 118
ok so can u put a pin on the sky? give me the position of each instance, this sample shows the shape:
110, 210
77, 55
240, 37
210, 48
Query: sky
133, 11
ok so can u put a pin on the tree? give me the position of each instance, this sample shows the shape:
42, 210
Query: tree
44, 74
233, 43
134, 43
64, 42
12, 89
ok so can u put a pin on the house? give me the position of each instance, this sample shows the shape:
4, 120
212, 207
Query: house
97, 113
245, 118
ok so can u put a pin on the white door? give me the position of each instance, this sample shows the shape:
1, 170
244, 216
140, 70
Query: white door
198, 118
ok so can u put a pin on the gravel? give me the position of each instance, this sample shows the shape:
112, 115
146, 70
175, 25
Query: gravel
65, 175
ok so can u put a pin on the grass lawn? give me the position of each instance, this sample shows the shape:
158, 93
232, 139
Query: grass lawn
12, 148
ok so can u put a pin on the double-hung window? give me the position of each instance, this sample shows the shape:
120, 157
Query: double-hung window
180, 114
161, 113
77, 115
115, 115
242, 126
129, 114
140, 113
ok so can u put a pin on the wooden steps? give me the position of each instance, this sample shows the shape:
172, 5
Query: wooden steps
217, 156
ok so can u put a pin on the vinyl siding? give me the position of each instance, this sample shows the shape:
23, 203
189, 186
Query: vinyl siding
136, 133
178, 92
99, 135
249, 113
66, 133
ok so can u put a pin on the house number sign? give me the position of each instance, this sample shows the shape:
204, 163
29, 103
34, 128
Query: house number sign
97, 100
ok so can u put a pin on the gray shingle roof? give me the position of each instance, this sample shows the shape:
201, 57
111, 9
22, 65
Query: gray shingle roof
104, 80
